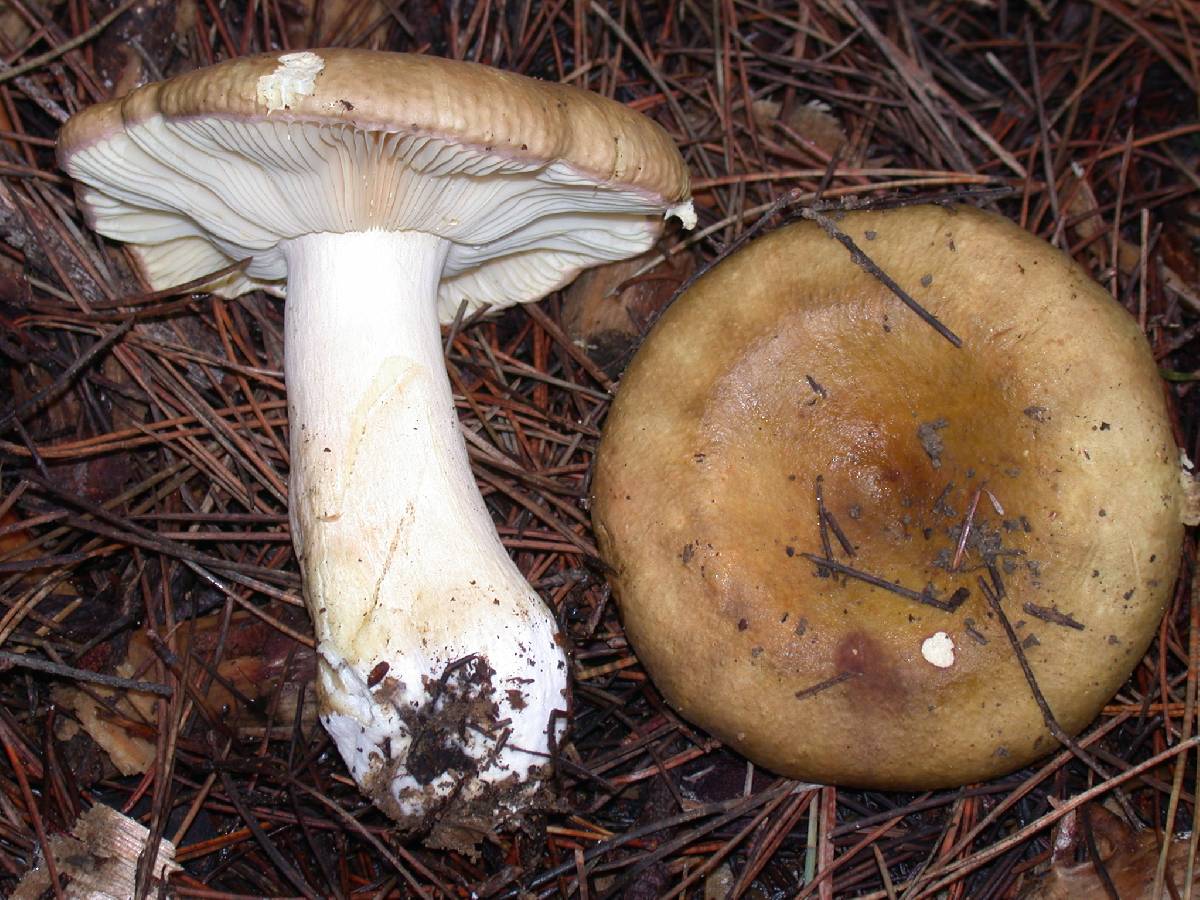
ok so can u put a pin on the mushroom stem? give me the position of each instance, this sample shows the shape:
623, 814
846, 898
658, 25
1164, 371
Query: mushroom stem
439, 666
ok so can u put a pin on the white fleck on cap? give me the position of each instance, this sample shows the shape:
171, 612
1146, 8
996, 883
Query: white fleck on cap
938, 650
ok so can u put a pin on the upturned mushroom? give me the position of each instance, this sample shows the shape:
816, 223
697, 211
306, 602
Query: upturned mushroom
819, 534
383, 191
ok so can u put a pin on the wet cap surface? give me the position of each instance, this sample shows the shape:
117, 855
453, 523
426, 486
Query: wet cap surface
795, 372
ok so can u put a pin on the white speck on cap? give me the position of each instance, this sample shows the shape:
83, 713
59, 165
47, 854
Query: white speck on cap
294, 78
938, 650
684, 212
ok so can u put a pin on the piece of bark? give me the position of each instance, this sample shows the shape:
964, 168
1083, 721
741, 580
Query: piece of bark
26, 226
99, 859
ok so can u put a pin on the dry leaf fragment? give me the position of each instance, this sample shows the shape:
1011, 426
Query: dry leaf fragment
1129, 857
608, 309
813, 121
255, 665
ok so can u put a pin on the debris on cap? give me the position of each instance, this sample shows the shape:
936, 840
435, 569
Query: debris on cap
824, 455
295, 78
938, 650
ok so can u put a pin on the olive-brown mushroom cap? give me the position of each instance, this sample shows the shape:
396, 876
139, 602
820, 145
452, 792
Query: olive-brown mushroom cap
787, 364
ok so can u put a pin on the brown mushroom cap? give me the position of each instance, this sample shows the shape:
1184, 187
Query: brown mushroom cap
788, 364
377, 91
529, 181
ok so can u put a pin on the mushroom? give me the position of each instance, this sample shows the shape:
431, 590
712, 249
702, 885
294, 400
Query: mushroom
1028, 477
385, 191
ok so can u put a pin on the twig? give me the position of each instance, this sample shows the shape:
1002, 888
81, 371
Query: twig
67, 46
9, 660
20, 410
1089, 838
263, 839
965, 530
825, 685
1039, 698
868, 265
956, 600
1052, 615
32, 809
